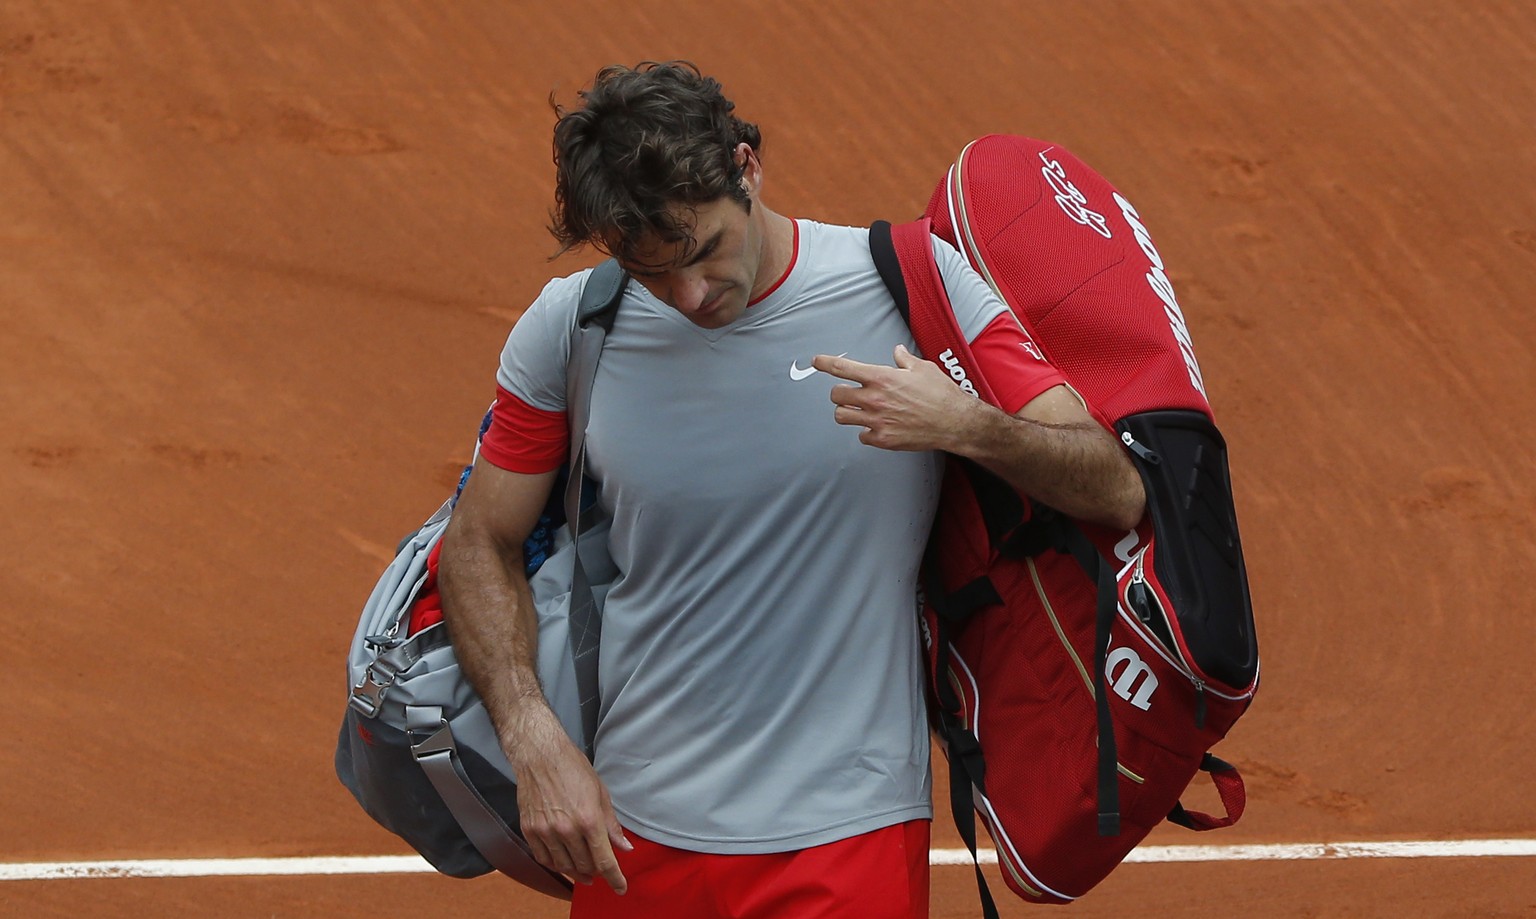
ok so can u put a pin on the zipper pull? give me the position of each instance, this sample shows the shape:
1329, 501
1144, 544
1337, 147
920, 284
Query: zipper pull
1144, 453
1136, 591
1199, 705
1136, 596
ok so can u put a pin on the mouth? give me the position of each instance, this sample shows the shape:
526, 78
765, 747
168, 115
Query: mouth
712, 304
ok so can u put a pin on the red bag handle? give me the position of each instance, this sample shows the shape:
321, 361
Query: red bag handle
1234, 798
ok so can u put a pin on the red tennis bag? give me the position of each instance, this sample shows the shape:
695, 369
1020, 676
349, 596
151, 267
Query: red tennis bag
1078, 675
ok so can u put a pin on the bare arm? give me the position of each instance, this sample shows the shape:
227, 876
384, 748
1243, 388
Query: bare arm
1051, 450
563, 807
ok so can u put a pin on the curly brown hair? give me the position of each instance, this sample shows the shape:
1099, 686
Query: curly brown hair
645, 140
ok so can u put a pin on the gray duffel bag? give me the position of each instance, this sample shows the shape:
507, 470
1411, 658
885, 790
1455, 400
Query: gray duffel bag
417, 748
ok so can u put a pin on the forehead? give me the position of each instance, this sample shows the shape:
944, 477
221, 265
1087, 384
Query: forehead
703, 224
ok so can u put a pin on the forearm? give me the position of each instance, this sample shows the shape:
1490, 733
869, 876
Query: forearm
1052, 451
563, 809
490, 615
1077, 468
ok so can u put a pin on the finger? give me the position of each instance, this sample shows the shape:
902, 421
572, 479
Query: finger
606, 863
850, 416
565, 850
851, 396
845, 368
539, 851
558, 859
905, 359
546, 844
584, 859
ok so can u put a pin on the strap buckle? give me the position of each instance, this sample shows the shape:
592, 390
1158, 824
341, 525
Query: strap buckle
368, 695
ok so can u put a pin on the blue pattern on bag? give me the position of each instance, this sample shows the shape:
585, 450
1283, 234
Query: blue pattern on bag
540, 543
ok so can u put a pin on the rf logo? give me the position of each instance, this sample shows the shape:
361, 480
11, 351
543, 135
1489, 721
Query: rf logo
1133, 670
1073, 203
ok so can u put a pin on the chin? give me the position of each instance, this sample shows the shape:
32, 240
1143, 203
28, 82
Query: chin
719, 317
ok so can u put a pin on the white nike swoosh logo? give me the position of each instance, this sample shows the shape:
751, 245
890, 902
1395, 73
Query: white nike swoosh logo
796, 374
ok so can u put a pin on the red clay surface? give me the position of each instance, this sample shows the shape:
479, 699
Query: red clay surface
257, 259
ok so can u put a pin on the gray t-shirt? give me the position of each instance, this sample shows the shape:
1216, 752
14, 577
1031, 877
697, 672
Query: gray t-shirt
760, 672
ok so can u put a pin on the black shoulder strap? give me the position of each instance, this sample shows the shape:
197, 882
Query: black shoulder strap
883, 250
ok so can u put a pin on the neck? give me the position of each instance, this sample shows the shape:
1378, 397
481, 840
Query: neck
778, 248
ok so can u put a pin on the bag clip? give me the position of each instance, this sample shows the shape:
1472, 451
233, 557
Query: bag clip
368, 695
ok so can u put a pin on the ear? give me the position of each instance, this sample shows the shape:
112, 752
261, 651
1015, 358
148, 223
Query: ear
751, 167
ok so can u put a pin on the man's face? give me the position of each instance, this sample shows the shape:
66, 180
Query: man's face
711, 281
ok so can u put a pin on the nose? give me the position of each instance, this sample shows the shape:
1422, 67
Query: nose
689, 292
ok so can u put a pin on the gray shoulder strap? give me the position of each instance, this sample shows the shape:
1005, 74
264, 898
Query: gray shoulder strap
434, 745
594, 317
437, 752
601, 294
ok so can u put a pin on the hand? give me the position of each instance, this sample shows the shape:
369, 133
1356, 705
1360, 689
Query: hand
562, 805
911, 406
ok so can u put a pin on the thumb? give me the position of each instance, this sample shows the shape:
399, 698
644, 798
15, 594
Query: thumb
905, 359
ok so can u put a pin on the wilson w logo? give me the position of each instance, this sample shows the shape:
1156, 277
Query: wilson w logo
1134, 675
956, 371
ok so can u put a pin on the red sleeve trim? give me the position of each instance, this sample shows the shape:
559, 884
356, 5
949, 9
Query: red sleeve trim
1014, 365
524, 439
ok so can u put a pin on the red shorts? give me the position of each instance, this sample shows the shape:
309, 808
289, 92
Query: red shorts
878, 875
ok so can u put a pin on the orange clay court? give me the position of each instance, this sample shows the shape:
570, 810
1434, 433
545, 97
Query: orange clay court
258, 257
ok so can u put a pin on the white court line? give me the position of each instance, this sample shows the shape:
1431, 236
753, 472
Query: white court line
411, 864
1464, 848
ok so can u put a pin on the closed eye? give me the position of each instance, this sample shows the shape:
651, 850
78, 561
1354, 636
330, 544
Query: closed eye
700, 254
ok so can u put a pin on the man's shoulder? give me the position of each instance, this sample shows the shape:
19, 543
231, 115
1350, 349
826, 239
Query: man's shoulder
833, 234
835, 248
555, 306
838, 242
951, 261
564, 293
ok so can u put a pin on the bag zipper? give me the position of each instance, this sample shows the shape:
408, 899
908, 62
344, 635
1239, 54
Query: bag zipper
1139, 598
1173, 655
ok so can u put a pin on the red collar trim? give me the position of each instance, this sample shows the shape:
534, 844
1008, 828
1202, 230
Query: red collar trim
794, 256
